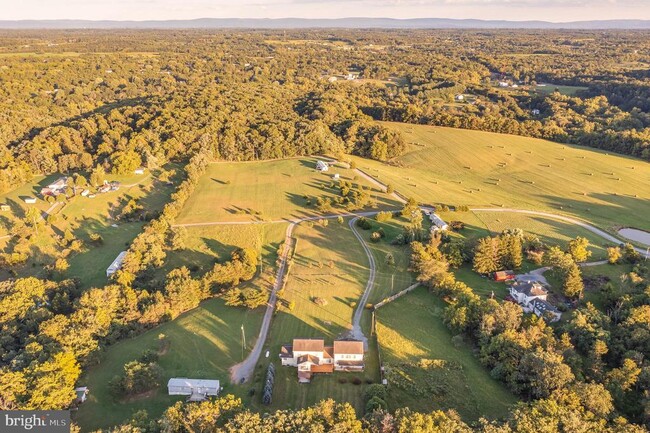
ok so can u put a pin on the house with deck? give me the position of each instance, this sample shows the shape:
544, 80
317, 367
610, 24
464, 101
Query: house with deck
532, 297
312, 356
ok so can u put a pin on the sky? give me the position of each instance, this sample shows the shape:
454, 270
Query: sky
548, 10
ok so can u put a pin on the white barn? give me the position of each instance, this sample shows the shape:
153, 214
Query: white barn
197, 389
322, 166
438, 223
116, 265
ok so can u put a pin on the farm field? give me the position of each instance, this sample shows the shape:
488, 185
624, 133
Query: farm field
202, 343
549, 231
438, 373
267, 190
390, 279
205, 245
328, 263
564, 90
482, 169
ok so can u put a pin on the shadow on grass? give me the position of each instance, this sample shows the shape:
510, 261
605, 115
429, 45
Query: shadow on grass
617, 209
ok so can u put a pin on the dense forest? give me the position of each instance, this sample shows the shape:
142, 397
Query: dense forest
94, 102
72, 100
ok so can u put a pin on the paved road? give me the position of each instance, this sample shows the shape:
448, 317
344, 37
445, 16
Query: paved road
356, 332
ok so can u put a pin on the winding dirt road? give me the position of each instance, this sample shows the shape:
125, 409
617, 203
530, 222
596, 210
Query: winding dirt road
573, 221
243, 371
356, 332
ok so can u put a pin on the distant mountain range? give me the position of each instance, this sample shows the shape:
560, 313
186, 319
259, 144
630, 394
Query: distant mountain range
303, 23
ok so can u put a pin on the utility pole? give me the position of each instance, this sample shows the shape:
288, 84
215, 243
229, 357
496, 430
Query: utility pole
243, 345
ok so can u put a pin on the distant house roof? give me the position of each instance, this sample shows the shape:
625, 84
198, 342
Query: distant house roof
59, 183
348, 347
504, 275
193, 383
530, 289
437, 221
308, 358
308, 344
328, 352
543, 306
286, 351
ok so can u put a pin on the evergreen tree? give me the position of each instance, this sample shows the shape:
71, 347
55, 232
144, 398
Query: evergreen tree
487, 256
572, 286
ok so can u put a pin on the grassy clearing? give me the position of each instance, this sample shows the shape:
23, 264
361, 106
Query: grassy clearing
611, 273
550, 231
457, 166
411, 329
84, 216
206, 245
204, 343
564, 90
268, 190
389, 279
329, 263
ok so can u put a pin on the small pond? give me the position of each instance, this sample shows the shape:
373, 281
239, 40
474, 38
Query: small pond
636, 235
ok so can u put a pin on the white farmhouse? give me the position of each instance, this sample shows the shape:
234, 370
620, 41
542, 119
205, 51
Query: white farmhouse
348, 355
438, 223
524, 293
311, 356
116, 265
532, 298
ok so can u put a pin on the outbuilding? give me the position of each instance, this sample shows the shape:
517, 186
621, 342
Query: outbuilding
196, 389
4, 207
116, 265
30, 200
322, 166
81, 394
502, 276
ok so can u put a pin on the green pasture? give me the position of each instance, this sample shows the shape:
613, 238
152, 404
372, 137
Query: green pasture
481, 169
266, 190
203, 343
411, 329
